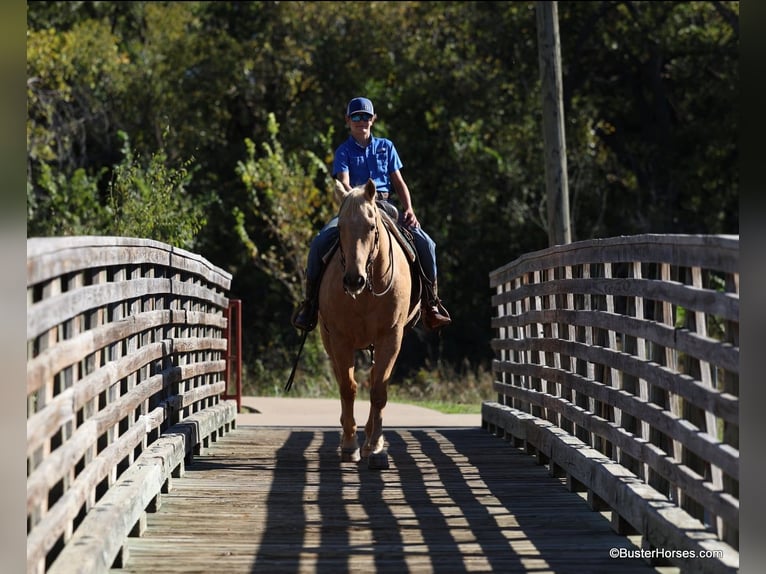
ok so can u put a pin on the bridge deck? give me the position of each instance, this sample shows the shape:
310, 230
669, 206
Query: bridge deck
267, 499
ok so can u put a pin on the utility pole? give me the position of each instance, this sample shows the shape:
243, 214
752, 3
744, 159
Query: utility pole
556, 183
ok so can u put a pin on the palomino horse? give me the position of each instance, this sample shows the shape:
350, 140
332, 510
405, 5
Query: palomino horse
364, 302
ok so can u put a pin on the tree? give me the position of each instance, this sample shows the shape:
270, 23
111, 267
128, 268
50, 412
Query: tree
290, 196
650, 93
657, 124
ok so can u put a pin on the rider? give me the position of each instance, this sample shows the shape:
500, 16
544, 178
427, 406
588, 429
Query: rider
361, 157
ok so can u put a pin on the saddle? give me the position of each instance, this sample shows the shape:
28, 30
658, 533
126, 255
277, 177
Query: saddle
390, 216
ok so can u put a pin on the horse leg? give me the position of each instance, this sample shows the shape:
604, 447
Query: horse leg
344, 373
349, 445
373, 430
385, 357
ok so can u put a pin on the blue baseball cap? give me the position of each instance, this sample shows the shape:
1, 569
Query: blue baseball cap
360, 105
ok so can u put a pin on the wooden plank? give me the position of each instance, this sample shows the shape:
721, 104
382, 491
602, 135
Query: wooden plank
708, 301
41, 369
720, 353
60, 516
63, 407
197, 394
51, 311
50, 257
103, 316
723, 405
191, 344
719, 252
719, 502
98, 540
706, 446
662, 523
279, 500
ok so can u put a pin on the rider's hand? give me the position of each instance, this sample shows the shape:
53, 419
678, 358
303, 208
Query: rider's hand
409, 218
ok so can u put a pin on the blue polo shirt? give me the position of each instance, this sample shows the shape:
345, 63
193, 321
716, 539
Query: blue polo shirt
375, 161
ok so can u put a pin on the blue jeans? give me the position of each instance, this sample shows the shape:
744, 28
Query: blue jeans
424, 245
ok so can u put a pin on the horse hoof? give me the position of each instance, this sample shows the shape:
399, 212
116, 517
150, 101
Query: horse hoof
350, 455
378, 461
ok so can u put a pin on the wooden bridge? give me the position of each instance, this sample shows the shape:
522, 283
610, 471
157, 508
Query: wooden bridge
611, 444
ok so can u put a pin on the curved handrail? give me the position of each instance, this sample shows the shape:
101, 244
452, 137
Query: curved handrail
126, 363
617, 363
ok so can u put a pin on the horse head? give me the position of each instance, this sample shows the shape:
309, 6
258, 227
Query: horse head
359, 235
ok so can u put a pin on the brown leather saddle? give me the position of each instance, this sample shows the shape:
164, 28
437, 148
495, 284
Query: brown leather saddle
389, 216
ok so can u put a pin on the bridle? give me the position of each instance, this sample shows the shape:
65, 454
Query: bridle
371, 257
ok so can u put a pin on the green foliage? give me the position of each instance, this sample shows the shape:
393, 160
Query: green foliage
147, 201
313, 375
152, 201
664, 99
64, 206
255, 93
289, 197
285, 206
71, 78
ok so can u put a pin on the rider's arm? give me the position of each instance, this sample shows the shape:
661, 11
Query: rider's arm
343, 177
403, 193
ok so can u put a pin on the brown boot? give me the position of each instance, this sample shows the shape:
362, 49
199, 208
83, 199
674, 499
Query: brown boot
435, 316
306, 314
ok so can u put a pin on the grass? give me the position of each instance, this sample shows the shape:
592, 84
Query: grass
445, 407
440, 388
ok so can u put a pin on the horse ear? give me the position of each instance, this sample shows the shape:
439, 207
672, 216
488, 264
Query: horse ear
340, 192
369, 190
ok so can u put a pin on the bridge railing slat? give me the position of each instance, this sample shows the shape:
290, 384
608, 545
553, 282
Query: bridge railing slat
630, 345
126, 349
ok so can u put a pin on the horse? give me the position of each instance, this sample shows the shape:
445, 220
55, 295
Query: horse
364, 303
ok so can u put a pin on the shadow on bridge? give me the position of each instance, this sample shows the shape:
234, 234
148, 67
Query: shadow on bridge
454, 500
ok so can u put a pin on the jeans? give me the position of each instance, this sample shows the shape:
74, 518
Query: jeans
424, 245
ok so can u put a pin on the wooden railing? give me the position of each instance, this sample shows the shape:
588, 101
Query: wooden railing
617, 364
126, 355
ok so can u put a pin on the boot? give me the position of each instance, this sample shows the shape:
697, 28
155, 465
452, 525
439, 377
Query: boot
435, 316
305, 316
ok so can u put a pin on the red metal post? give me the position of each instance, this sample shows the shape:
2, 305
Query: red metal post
234, 350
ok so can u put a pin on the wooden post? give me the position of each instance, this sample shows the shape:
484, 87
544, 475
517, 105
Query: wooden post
557, 191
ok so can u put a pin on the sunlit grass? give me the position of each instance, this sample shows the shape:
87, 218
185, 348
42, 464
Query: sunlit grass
444, 407
440, 388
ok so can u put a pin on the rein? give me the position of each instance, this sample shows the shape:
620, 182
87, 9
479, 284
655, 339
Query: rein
371, 259
390, 264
